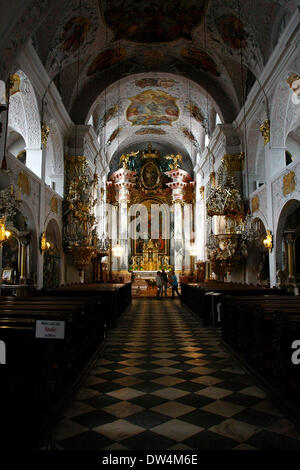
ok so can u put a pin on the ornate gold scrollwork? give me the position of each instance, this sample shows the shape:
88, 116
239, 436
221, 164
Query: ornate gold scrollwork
265, 131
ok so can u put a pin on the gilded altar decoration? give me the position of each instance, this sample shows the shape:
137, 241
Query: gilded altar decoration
124, 159
175, 161
150, 152
233, 162
268, 241
225, 200
202, 191
54, 204
44, 243
255, 204
152, 107
45, 131
212, 179
150, 176
289, 183
265, 131
24, 183
79, 205
156, 22
4, 233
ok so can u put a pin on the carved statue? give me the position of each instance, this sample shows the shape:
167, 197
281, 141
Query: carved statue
175, 160
124, 159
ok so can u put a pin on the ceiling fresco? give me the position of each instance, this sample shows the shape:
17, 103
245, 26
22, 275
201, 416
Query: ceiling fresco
152, 107
150, 130
159, 82
155, 21
162, 69
106, 59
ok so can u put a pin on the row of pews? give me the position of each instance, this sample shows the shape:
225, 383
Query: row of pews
260, 325
40, 372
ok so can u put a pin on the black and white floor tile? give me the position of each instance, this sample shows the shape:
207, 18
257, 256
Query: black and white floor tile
164, 382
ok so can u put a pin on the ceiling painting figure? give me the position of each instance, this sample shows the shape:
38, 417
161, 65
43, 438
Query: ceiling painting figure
156, 21
232, 31
152, 108
106, 59
200, 59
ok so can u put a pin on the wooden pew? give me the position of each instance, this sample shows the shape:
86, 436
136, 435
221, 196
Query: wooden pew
261, 330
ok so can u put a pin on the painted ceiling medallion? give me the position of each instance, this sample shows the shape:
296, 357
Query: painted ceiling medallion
150, 130
161, 82
200, 59
195, 112
106, 59
115, 133
152, 108
74, 33
152, 22
232, 31
189, 135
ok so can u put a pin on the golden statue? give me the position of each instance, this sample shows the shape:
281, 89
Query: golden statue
175, 161
124, 159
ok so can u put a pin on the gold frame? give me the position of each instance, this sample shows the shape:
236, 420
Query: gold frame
158, 178
5, 272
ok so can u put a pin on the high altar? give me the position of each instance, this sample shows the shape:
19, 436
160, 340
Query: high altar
146, 178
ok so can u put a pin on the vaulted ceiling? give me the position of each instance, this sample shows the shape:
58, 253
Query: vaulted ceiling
158, 70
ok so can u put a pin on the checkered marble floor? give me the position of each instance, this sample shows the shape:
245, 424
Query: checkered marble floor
166, 383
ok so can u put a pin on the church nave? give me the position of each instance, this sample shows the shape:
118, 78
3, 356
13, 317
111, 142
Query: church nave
163, 381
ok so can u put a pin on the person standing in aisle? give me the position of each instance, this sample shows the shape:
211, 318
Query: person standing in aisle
164, 282
174, 283
158, 284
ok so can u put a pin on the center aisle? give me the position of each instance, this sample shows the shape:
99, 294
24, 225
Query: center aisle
165, 383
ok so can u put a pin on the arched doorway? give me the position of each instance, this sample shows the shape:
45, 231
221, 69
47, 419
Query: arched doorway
288, 245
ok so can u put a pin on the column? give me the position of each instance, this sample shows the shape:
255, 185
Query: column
290, 242
34, 161
178, 238
123, 234
23, 262
268, 172
40, 257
